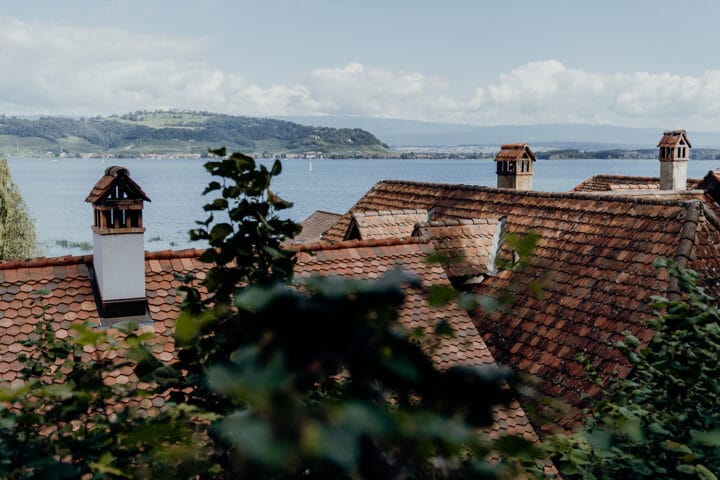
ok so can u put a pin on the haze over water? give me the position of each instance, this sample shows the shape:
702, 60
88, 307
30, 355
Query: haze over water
55, 189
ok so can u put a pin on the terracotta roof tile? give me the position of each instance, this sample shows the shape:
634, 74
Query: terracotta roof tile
514, 151
465, 347
625, 184
593, 260
75, 302
114, 176
372, 225
466, 242
672, 137
314, 226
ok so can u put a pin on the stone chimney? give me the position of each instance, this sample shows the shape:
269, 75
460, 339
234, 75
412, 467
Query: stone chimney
674, 154
515, 166
118, 246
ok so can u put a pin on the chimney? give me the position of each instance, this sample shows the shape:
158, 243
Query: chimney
674, 154
118, 246
515, 166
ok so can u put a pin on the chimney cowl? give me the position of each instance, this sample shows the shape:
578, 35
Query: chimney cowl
673, 153
514, 164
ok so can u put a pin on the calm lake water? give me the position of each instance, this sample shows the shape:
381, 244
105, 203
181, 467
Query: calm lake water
55, 189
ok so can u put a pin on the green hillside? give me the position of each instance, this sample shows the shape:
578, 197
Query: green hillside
177, 133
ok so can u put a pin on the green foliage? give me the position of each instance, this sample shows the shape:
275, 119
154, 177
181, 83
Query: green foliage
17, 232
664, 419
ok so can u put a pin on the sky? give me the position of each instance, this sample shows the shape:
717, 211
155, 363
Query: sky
634, 63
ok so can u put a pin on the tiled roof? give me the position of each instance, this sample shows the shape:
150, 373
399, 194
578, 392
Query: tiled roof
671, 138
514, 151
594, 261
466, 242
71, 300
112, 177
625, 184
314, 226
371, 260
384, 224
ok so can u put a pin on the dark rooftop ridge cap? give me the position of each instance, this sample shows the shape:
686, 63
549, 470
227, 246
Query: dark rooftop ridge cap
171, 254
39, 262
380, 242
592, 196
382, 213
674, 133
454, 222
114, 171
329, 213
633, 177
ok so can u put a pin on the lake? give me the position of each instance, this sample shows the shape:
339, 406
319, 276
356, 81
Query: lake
55, 189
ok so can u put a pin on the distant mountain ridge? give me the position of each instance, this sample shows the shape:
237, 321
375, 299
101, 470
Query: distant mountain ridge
404, 133
177, 133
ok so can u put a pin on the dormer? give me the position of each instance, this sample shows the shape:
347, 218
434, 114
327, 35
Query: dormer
118, 246
514, 164
674, 152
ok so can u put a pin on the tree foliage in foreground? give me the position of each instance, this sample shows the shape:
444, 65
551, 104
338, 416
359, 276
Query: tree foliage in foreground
663, 420
17, 232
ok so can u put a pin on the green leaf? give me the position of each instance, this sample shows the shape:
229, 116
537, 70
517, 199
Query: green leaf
104, 466
708, 439
253, 438
704, 473
188, 325
220, 231
440, 295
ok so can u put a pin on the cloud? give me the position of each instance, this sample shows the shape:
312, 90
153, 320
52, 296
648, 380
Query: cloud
53, 69
550, 92
59, 69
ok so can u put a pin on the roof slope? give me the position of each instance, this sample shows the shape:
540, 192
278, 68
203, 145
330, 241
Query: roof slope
370, 260
372, 225
467, 243
626, 184
671, 138
514, 151
594, 259
314, 226
115, 176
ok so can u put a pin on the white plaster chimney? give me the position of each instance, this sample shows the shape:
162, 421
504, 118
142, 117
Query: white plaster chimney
118, 244
673, 155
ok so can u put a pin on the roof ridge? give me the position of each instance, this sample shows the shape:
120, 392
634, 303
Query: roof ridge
686, 243
593, 196
39, 262
170, 254
452, 222
330, 213
388, 213
380, 242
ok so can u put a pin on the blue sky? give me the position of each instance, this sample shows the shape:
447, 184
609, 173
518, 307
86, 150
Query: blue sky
635, 63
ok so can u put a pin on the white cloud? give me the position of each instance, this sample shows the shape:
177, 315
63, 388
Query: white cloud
548, 91
60, 69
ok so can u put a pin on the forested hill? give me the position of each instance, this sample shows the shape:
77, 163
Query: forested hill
177, 133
